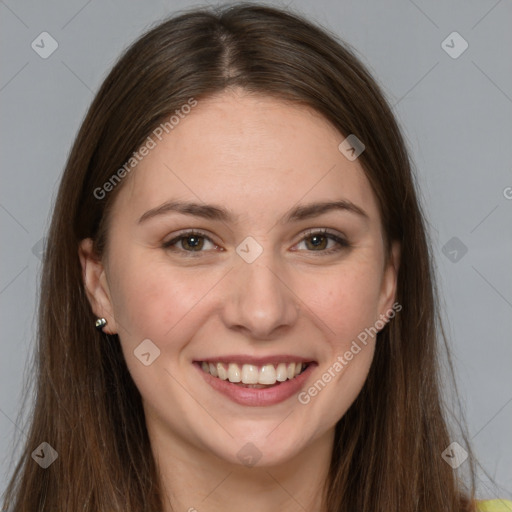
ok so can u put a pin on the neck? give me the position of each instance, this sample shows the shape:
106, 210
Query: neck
195, 480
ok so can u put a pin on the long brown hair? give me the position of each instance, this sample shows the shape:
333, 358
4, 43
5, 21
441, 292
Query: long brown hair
387, 451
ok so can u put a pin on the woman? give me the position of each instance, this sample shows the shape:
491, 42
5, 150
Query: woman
237, 293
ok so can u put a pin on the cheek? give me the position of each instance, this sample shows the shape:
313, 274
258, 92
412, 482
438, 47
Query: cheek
347, 306
346, 301
152, 299
156, 301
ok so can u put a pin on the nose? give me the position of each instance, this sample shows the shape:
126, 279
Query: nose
260, 302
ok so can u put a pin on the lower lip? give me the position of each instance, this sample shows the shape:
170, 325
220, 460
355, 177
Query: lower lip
258, 396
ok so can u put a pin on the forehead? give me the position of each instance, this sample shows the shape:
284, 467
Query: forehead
254, 154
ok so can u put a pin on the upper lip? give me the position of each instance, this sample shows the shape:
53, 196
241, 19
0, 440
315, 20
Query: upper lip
257, 361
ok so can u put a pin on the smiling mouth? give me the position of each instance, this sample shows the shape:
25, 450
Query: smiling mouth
254, 376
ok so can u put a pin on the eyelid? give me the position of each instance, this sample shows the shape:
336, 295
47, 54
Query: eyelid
323, 231
339, 238
188, 232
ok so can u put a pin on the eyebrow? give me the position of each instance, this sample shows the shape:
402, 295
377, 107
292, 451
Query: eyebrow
219, 213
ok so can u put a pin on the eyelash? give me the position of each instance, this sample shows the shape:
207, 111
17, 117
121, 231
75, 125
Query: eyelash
342, 243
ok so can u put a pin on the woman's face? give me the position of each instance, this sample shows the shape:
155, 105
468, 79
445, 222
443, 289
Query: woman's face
257, 287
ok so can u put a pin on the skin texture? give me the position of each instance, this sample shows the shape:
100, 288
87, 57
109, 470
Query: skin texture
258, 157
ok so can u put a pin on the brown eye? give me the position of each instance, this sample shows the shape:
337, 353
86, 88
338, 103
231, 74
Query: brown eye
191, 242
319, 241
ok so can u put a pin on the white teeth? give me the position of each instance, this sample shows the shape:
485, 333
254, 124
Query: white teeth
222, 373
253, 375
267, 374
249, 374
234, 374
282, 372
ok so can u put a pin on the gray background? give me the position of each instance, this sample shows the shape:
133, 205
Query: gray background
456, 114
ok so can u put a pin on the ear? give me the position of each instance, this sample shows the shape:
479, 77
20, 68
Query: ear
96, 285
389, 280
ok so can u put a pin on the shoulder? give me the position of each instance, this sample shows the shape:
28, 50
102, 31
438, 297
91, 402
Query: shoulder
494, 506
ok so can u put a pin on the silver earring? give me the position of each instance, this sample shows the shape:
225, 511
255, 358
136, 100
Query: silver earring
100, 323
